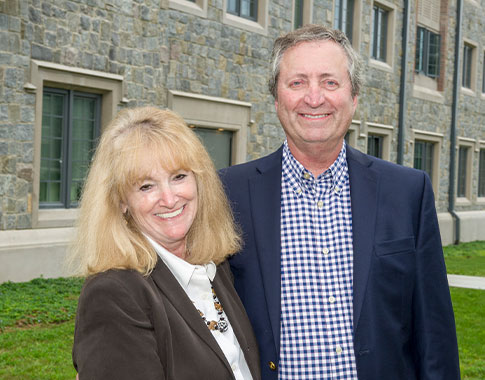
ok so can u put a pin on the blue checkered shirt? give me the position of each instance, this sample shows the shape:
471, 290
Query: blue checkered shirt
316, 272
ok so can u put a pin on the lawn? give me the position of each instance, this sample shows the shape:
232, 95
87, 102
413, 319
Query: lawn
466, 258
37, 322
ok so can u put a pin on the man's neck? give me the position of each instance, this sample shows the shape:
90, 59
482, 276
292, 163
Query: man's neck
316, 158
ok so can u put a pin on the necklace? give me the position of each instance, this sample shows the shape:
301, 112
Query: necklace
221, 324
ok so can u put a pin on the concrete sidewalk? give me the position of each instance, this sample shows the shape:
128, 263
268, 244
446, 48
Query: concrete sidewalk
471, 282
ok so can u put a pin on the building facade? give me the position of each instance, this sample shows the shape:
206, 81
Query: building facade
67, 67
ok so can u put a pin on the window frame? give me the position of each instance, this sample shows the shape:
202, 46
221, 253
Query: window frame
387, 63
423, 66
307, 13
481, 173
385, 132
195, 7
66, 155
349, 17
48, 74
213, 112
436, 139
469, 67
465, 197
260, 25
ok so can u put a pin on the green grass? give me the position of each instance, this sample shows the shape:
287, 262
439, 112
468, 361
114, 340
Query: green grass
41, 352
37, 321
469, 306
466, 258
37, 328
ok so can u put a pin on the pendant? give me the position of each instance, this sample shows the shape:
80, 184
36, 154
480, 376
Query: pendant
222, 326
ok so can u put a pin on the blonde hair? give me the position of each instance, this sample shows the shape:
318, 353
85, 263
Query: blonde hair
134, 138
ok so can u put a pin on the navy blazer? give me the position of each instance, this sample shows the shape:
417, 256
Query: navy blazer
402, 314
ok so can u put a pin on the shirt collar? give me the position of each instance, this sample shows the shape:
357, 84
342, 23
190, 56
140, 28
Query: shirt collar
181, 269
298, 174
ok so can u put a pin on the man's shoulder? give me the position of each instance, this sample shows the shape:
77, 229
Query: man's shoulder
251, 167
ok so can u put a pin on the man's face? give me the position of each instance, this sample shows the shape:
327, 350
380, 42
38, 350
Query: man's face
314, 101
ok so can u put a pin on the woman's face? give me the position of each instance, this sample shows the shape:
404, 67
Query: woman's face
164, 206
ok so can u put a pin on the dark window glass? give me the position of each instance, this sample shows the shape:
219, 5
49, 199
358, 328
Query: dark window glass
481, 174
462, 165
343, 16
218, 143
243, 8
467, 66
423, 156
379, 33
70, 128
483, 74
374, 145
427, 52
298, 16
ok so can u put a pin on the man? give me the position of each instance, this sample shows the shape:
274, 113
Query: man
342, 271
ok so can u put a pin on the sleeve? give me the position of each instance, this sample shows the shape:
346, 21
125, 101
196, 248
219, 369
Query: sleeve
114, 336
434, 332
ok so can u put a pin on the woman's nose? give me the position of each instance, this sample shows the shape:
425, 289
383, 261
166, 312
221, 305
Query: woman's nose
167, 197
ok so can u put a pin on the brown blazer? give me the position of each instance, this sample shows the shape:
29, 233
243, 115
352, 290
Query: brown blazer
134, 327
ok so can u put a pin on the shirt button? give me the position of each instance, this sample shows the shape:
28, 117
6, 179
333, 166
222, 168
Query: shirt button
272, 366
325, 251
233, 367
320, 204
306, 175
337, 189
331, 299
298, 191
338, 349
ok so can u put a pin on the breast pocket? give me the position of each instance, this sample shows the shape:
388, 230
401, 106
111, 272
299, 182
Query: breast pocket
394, 247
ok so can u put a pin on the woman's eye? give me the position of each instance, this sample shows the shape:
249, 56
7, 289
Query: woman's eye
145, 187
179, 176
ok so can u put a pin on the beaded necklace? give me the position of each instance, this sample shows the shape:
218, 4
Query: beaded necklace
221, 324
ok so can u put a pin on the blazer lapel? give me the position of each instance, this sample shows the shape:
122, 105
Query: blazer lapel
235, 312
171, 289
265, 204
363, 193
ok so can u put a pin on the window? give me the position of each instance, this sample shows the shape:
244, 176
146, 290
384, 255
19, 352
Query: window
481, 174
243, 8
343, 16
298, 14
462, 171
218, 143
379, 33
427, 53
467, 66
374, 145
483, 74
423, 156
70, 127
221, 124
250, 15
194, 7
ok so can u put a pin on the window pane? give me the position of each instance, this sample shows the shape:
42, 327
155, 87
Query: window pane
462, 165
218, 144
420, 50
232, 6
481, 174
379, 38
298, 20
467, 66
374, 145
434, 55
53, 117
423, 156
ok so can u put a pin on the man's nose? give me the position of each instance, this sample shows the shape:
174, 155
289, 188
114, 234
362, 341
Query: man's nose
315, 96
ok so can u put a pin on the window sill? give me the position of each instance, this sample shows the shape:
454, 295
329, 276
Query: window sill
462, 201
188, 7
468, 91
425, 93
49, 218
242, 23
380, 65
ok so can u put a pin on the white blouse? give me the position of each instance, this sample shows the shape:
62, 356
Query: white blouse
195, 280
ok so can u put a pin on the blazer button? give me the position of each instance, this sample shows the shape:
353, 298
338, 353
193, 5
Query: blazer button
272, 366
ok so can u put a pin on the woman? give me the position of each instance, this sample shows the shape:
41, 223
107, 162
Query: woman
154, 223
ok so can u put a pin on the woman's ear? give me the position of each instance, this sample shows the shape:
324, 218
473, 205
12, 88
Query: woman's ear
124, 208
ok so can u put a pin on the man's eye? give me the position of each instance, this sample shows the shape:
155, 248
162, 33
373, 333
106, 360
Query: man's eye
296, 83
331, 84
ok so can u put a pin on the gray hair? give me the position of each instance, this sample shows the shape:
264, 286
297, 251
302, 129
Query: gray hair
312, 32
